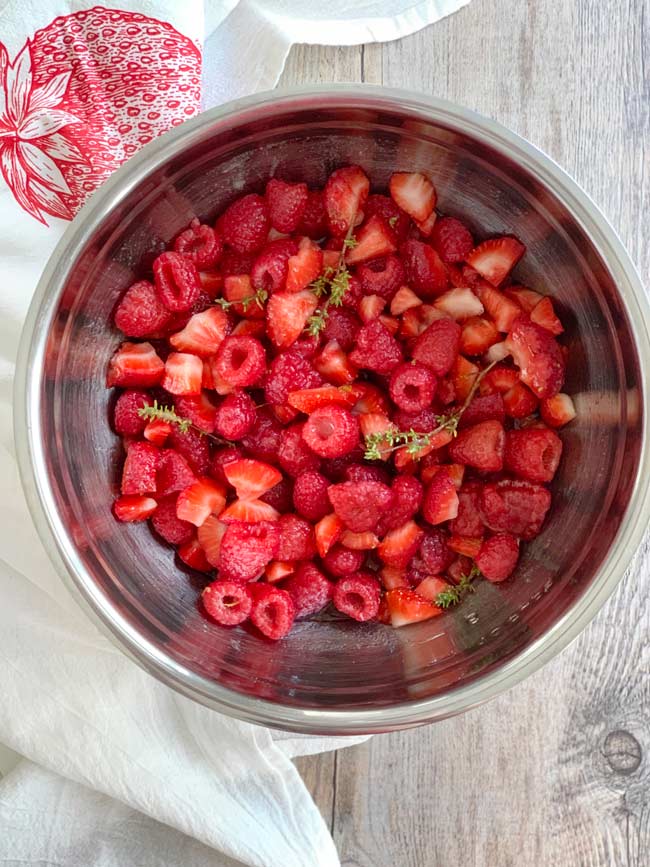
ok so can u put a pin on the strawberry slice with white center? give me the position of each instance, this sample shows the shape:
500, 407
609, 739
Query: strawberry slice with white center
277, 570
202, 499
157, 431
479, 334
305, 266
359, 541
544, 314
183, 374
345, 195
430, 586
130, 509
502, 310
287, 315
193, 555
558, 410
203, 334
377, 423
370, 399
252, 511
334, 364
399, 546
459, 304
440, 499
370, 307
403, 300
494, 259
426, 226
538, 356
406, 606
209, 536
328, 531
374, 239
392, 577
414, 193
308, 399
251, 478
527, 299
135, 364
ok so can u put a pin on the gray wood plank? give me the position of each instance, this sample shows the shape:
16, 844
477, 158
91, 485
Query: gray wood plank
319, 775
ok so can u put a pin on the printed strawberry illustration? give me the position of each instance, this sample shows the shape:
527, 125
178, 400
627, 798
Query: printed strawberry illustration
82, 96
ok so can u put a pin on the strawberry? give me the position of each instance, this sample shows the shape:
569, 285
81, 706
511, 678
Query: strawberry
287, 315
202, 499
480, 446
500, 309
429, 587
209, 536
377, 423
328, 531
277, 570
557, 410
440, 499
370, 399
406, 606
392, 577
457, 473
173, 473
497, 352
417, 319
287, 203
334, 364
305, 266
211, 283
544, 314
203, 334
519, 401
494, 259
308, 399
345, 194
238, 287
414, 193
403, 300
366, 541
200, 410
249, 328
478, 335
251, 478
459, 304
527, 299
370, 307
399, 546
132, 508
499, 380
426, 226
463, 376
437, 347
135, 364
193, 555
249, 511
183, 374
373, 239
139, 474
425, 270
156, 432
538, 356
469, 546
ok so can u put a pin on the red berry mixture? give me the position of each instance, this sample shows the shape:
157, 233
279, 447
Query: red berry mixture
338, 398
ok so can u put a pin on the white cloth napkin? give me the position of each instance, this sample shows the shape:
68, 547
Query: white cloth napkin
119, 769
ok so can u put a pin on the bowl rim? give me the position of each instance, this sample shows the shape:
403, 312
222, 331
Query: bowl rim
27, 429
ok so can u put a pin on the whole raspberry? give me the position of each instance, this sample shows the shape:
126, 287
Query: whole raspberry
224, 456
287, 204
297, 540
437, 346
233, 264
314, 219
310, 496
468, 520
289, 371
412, 387
396, 219
342, 325
435, 553
228, 602
533, 453
241, 361
174, 473
358, 596
235, 416
280, 496
515, 507
382, 277
425, 271
193, 447
140, 312
246, 224
498, 557
354, 294
331, 431
140, 469
126, 420
484, 407
407, 499
360, 505
200, 244
167, 525
422, 421
247, 548
273, 610
309, 589
340, 561
376, 348
177, 282
452, 240
294, 455
270, 268
366, 473
263, 442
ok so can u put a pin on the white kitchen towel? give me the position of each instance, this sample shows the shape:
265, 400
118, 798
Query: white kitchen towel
119, 769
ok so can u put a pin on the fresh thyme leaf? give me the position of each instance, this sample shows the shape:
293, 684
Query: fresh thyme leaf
334, 283
156, 412
393, 221
452, 595
259, 298
350, 243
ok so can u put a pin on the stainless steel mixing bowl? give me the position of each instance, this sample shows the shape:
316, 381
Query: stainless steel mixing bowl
338, 677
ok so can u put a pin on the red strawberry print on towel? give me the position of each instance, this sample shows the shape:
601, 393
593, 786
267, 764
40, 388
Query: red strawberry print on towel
82, 96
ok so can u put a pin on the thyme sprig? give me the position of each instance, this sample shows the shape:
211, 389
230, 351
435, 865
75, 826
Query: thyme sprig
333, 283
158, 412
456, 593
260, 298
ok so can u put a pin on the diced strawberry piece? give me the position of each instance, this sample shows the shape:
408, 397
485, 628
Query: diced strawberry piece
557, 410
374, 239
360, 505
406, 606
209, 536
430, 587
239, 288
533, 453
278, 570
287, 203
241, 361
200, 500
538, 356
425, 270
135, 365
478, 335
345, 194
287, 315
519, 401
328, 531
457, 473
304, 266
249, 511
340, 561
330, 258
437, 347
251, 478
335, 365
359, 541
426, 226
273, 610
173, 473
167, 524
200, 410
500, 309
270, 267
400, 545
374, 423
417, 319
516, 507
392, 577
452, 240
499, 380
156, 432
211, 283
358, 596
467, 545
414, 193
228, 602
497, 352
463, 375
193, 555
484, 407
394, 217
440, 499
177, 282
527, 299
309, 589
308, 399
331, 431
370, 307
140, 312
544, 314
183, 374
203, 334
459, 304
247, 548
480, 446
132, 508
403, 300
376, 349
245, 224
497, 557
140, 469
370, 399
494, 259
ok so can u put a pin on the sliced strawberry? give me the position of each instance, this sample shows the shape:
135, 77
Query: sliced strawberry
203, 334
183, 374
544, 314
334, 364
305, 266
130, 509
373, 240
457, 473
211, 283
390, 323
426, 226
499, 380
330, 259
519, 401
403, 300
500, 309
440, 499
345, 194
418, 318
193, 555
469, 546
156, 432
497, 352
139, 473
478, 335
276, 570
480, 446
429, 587
414, 193
377, 423
399, 546
135, 364
238, 287
370, 399
202, 499
527, 299
406, 606
199, 409
495, 259
365, 541
459, 304
287, 315
249, 511
538, 356
308, 399
209, 535
251, 478
213, 380
328, 531
463, 376
558, 410
249, 328
370, 307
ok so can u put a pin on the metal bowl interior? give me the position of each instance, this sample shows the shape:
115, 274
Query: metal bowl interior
337, 676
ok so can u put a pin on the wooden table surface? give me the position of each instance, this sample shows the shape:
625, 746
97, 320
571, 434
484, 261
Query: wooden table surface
554, 773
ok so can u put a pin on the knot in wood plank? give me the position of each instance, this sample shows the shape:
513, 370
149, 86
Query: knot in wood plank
622, 751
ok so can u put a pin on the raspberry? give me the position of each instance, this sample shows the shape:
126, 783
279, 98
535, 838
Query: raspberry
263, 442
533, 453
452, 240
515, 507
126, 420
366, 473
289, 371
358, 596
193, 447
340, 561
294, 455
287, 204
200, 410
280, 496
247, 548
425, 272
307, 346
468, 520
246, 224
422, 421
310, 496
498, 557
297, 540
270, 268
167, 525
241, 361
480, 446
343, 326
177, 282
273, 610
437, 346
412, 387
140, 312
309, 589
382, 277
228, 602
395, 218
331, 431
174, 473
360, 504
235, 416
354, 294
233, 264
435, 554
407, 499
314, 219
200, 244
376, 348
224, 456
484, 407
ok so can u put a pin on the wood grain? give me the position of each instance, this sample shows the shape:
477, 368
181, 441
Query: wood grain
554, 773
